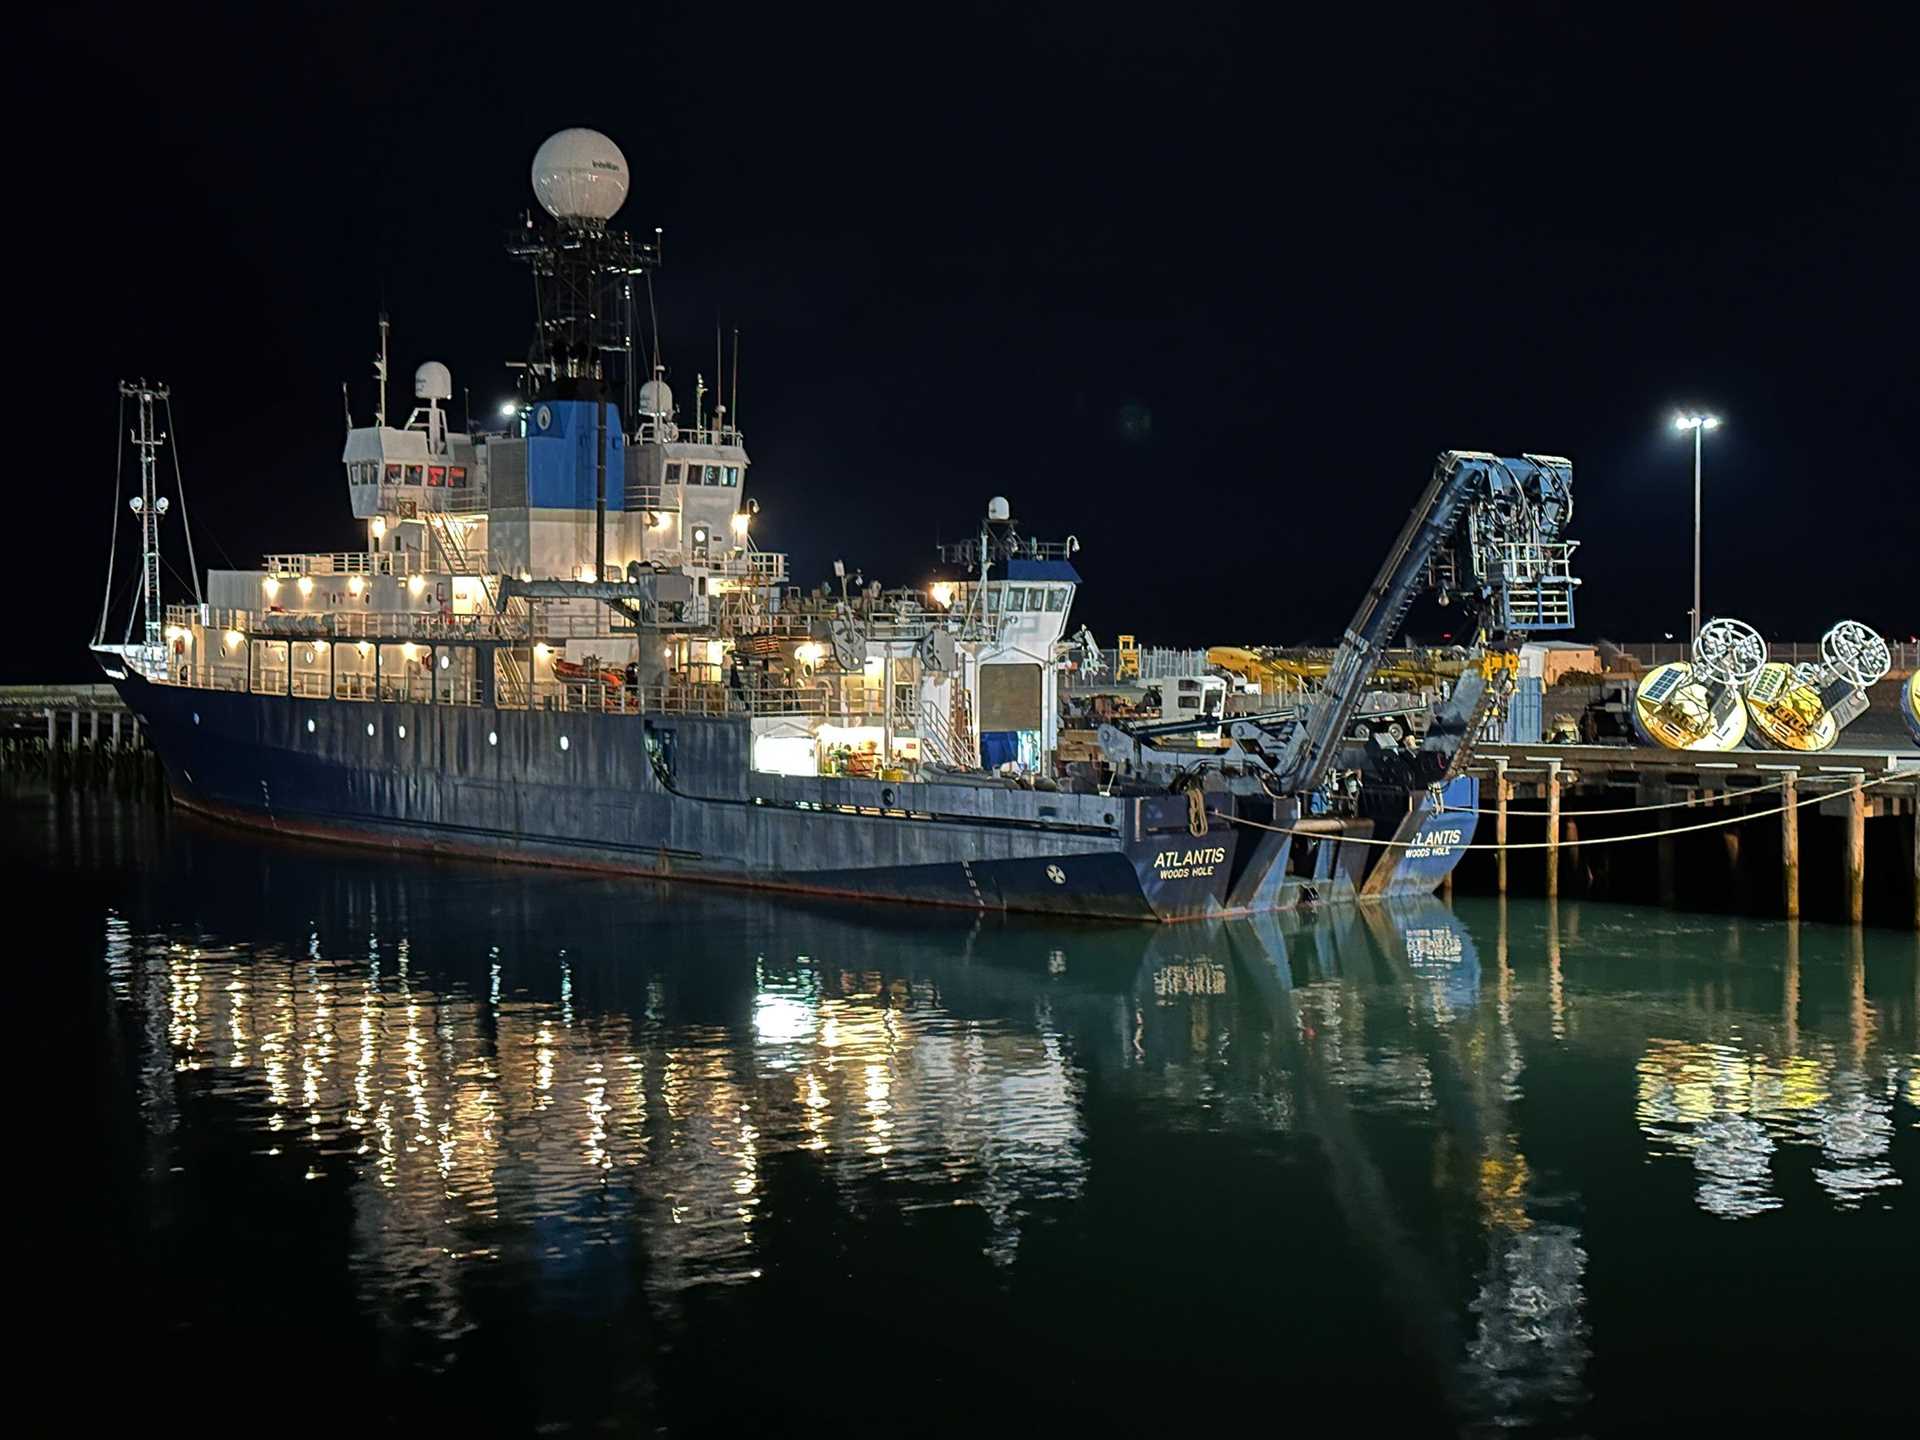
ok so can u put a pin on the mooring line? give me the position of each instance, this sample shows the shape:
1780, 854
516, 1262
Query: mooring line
1581, 844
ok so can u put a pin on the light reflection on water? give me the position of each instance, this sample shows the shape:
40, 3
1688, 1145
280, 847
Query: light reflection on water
572, 1086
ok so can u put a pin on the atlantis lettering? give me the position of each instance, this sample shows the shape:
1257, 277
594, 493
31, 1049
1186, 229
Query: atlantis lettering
1189, 864
1433, 842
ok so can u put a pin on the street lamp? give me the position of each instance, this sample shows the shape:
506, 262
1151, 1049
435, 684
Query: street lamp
1698, 424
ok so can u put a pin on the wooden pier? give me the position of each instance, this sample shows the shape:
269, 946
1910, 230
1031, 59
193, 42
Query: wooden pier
1595, 796
74, 735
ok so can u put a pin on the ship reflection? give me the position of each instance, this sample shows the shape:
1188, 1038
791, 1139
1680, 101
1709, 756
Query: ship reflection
610, 1086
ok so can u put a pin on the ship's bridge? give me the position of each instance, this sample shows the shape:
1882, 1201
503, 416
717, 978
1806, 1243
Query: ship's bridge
419, 467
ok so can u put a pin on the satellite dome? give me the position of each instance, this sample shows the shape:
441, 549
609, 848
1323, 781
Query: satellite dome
433, 381
656, 398
998, 509
580, 175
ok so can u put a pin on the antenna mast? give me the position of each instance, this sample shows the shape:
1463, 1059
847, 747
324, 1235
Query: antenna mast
380, 373
147, 505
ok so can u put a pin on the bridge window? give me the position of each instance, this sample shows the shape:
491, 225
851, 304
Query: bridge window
457, 477
733, 474
1056, 599
673, 473
415, 474
1016, 600
1036, 599
436, 475
393, 474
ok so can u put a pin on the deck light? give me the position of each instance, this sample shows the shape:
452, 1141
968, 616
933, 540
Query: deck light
233, 639
415, 584
507, 407
271, 586
542, 650
356, 585
942, 593
740, 523
379, 526
409, 652
306, 586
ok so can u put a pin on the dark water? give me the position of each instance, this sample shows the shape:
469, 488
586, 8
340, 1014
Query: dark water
317, 1139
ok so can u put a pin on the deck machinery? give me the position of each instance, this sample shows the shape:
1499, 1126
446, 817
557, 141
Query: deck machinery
1487, 535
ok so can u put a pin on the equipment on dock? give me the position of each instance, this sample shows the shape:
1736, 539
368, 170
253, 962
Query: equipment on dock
1487, 535
1806, 706
1696, 704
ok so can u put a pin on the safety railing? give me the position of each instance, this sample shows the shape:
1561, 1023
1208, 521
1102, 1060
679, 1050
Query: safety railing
346, 562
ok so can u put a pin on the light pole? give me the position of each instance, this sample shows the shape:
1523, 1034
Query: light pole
1698, 424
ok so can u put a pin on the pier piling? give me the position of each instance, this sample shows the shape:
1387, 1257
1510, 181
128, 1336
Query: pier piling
1503, 790
1790, 844
1553, 829
1856, 853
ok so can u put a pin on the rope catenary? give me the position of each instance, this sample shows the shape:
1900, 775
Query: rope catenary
1580, 844
1695, 803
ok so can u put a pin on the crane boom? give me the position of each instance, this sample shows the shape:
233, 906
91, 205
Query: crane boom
1487, 532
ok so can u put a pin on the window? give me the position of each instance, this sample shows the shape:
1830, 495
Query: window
993, 599
414, 474
1016, 600
673, 473
393, 474
1189, 702
711, 475
733, 474
1036, 599
457, 477
1056, 598
436, 475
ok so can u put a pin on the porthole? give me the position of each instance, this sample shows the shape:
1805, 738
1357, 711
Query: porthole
493, 737
886, 795
369, 729
1107, 819
563, 742
446, 662
403, 732
309, 727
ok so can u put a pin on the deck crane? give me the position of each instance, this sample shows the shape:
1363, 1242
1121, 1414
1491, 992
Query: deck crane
1487, 535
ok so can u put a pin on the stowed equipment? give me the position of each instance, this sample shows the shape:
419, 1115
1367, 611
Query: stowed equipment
1806, 706
1696, 704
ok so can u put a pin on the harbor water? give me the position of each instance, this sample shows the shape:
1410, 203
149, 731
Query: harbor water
321, 1138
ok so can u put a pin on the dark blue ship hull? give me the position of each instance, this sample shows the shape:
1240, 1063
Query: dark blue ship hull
676, 796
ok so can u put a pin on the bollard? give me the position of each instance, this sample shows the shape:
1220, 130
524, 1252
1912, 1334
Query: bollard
1856, 853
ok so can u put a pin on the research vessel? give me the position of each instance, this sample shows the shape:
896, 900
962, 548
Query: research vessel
562, 643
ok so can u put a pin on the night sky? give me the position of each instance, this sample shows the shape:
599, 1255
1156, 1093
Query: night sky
1207, 288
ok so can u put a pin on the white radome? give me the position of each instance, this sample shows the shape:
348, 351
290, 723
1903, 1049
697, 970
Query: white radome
998, 509
580, 175
656, 398
433, 381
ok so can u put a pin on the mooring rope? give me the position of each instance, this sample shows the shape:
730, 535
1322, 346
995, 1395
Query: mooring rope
1635, 809
1892, 775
